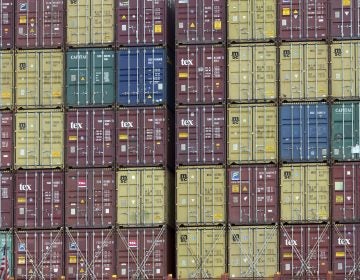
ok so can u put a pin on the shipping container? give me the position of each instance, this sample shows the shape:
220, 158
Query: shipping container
304, 193
145, 76
89, 198
252, 73
251, 20
200, 135
39, 24
90, 22
305, 251
252, 194
200, 195
6, 247
90, 78
144, 22
6, 200
201, 252
303, 20
144, 136
39, 139
7, 24
252, 133
304, 132
7, 147
39, 79
345, 19
39, 254
200, 21
304, 71
145, 253
144, 196
253, 252
38, 199
90, 139
6, 79
200, 72
89, 254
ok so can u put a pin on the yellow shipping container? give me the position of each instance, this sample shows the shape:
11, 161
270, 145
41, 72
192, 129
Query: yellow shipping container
304, 192
39, 78
6, 79
39, 139
200, 195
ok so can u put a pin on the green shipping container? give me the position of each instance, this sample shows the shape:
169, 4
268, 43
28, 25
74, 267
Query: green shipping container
6, 79
6, 250
90, 77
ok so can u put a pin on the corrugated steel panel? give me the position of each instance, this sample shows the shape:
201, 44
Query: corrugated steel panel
200, 21
6, 200
200, 72
253, 252
252, 73
304, 193
39, 139
144, 196
90, 78
6, 79
89, 198
6, 244
7, 147
200, 195
345, 19
252, 194
252, 133
200, 252
90, 22
39, 79
39, 199
39, 24
251, 20
304, 132
7, 24
304, 71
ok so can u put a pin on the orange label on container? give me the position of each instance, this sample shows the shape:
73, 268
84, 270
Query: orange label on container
183, 75
55, 154
56, 93
21, 260
218, 216
22, 19
287, 255
217, 24
123, 137
5, 94
183, 135
72, 259
72, 138
235, 188
340, 254
339, 199
286, 11
346, 2
158, 28
21, 199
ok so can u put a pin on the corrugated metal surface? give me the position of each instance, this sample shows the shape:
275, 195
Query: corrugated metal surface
90, 139
304, 132
6, 132
304, 71
253, 252
345, 19
252, 73
6, 200
7, 24
200, 72
6, 244
89, 198
90, 78
39, 79
39, 139
252, 133
251, 20
200, 252
304, 193
39, 24
6, 79
252, 194
200, 195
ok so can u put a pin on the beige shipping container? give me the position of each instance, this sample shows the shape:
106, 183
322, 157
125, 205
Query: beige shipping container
200, 195
143, 196
90, 22
252, 73
39, 139
253, 251
252, 133
251, 20
304, 71
39, 78
6, 79
304, 192
200, 252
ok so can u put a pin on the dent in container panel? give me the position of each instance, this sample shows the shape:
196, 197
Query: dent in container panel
6, 132
345, 19
6, 79
6, 201
6, 24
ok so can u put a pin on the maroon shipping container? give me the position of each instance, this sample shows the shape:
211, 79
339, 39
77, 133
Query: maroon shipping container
6, 132
39, 199
39, 254
6, 24
253, 194
144, 136
90, 198
90, 138
89, 254
6, 199
200, 21
200, 74
200, 135
303, 20
305, 251
39, 23
345, 19
145, 253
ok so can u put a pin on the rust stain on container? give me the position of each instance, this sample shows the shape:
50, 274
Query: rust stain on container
6, 132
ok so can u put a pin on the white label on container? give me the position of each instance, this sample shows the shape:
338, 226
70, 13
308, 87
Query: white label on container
348, 172
22, 92
123, 148
21, 30
73, 211
321, 20
235, 147
337, 14
324, 152
340, 266
183, 87
123, 271
107, 211
123, 27
336, 151
72, 149
107, 268
235, 19
283, 22
158, 271
73, 78
160, 86
56, 269
22, 152
183, 1
339, 186
355, 149
337, 76
183, 147
181, 25
21, 211
287, 266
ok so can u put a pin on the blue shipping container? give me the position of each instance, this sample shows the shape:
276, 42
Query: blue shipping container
145, 76
304, 133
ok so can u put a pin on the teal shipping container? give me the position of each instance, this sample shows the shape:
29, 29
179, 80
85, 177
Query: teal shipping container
6, 254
